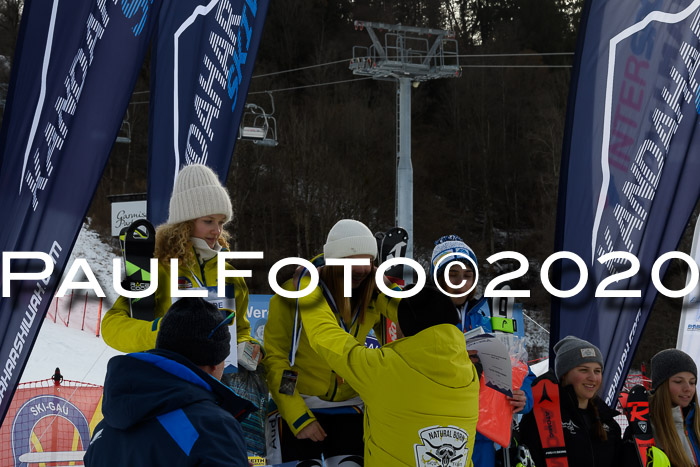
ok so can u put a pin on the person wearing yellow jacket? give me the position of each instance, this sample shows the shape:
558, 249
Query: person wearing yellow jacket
323, 413
194, 234
421, 392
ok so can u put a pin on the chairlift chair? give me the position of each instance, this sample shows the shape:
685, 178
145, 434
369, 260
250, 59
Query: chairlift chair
259, 126
124, 135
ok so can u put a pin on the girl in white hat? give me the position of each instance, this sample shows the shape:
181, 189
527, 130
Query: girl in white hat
322, 413
194, 233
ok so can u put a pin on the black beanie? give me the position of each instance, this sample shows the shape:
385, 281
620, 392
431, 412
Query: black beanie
427, 308
185, 329
669, 362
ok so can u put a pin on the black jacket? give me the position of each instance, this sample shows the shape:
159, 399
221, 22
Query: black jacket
161, 410
583, 448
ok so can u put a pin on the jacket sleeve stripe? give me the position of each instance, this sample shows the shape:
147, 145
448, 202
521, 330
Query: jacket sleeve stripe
300, 421
180, 429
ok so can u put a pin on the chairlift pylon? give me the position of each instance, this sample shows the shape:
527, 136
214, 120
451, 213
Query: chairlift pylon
259, 126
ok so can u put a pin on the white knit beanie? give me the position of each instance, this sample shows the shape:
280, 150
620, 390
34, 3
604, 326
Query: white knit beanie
198, 193
349, 237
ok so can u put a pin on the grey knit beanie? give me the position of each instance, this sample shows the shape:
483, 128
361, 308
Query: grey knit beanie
198, 193
669, 362
349, 237
185, 330
572, 352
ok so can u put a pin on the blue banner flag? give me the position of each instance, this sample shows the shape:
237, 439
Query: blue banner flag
202, 64
630, 167
75, 67
258, 306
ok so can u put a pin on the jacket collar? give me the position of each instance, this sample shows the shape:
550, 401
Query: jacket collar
181, 367
203, 250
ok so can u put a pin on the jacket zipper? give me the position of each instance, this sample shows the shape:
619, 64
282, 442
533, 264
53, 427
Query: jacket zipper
582, 420
335, 386
201, 271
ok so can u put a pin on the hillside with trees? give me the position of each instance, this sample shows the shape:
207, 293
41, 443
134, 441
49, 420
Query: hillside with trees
486, 146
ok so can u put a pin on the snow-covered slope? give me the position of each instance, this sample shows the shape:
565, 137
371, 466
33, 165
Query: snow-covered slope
80, 355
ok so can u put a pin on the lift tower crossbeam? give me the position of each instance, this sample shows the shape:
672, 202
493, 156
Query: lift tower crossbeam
408, 55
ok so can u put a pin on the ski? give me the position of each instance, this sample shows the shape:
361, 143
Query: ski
637, 412
138, 242
391, 244
52, 456
545, 392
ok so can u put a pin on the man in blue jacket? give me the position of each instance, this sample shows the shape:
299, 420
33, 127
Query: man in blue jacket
166, 406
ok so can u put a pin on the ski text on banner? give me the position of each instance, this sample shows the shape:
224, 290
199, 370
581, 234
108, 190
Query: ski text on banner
202, 64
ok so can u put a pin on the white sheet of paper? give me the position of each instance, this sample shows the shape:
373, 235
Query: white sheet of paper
474, 332
498, 373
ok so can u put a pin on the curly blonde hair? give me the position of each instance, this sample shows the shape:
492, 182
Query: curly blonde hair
173, 241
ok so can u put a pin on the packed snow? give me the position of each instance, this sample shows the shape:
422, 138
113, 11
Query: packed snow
80, 354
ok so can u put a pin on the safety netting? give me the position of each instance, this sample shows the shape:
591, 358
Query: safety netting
49, 423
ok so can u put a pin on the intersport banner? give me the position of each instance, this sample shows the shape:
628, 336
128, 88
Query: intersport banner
202, 63
74, 69
630, 166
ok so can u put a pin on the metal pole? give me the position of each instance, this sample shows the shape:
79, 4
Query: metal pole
99, 319
82, 326
404, 169
70, 305
393, 59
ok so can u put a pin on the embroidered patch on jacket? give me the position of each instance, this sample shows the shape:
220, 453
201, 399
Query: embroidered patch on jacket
183, 283
571, 426
442, 447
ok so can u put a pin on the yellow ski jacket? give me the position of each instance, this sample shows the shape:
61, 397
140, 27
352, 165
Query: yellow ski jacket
421, 393
127, 334
315, 376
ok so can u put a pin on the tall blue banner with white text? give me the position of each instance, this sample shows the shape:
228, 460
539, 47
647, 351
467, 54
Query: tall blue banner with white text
630, 167
74, 69
202, 64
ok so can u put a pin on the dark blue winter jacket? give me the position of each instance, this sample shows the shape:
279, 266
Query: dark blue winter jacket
162, 410
691, 434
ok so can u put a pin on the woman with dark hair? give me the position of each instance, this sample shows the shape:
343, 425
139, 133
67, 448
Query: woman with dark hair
592, 437
672, 407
